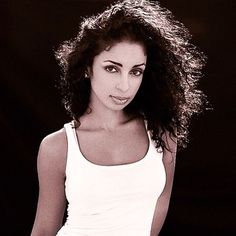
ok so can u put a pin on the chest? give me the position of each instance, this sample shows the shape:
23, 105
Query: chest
123, 192
113, 148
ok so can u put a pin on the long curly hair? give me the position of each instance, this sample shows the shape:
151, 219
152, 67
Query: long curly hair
168, 95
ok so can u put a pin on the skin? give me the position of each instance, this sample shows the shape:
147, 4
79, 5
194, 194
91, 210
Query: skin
117, 72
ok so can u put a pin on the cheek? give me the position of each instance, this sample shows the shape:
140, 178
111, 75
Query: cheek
101, 82
136, 84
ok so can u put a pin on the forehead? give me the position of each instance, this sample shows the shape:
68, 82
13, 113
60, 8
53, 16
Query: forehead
124, 52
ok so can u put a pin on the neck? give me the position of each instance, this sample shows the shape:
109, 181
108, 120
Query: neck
103, 118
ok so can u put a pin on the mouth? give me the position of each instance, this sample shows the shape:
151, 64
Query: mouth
119, 100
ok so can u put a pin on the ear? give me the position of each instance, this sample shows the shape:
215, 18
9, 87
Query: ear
86, 74
89, 71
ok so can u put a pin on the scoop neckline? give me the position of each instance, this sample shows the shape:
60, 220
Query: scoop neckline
119, 166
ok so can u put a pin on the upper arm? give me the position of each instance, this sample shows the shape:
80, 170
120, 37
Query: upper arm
51, 164
162, 205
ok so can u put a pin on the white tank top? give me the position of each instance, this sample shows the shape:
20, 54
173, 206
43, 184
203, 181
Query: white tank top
117, 200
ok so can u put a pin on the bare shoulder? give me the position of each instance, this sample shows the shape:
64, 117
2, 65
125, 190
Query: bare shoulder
51, 164
55, 143
53, 151
169, 157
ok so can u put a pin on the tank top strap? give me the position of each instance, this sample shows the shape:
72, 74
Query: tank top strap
72, 150
160, 149
71, 136
148, 131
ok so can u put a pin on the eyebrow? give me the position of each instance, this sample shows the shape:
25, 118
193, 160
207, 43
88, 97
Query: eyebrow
119, 64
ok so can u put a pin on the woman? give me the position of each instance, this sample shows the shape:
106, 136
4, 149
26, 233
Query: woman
129, 83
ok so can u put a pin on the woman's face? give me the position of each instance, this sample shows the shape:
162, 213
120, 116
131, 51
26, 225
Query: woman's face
117, 74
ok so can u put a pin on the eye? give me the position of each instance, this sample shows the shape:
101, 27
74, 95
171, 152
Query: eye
137, 72
111, 69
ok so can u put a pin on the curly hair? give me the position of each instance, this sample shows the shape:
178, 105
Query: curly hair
168, 95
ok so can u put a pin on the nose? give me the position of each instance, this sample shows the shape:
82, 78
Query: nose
123, 84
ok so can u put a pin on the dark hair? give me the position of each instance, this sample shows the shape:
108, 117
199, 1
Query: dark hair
168, 95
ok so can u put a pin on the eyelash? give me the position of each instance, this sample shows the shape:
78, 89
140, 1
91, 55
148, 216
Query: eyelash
140, 72
110, 70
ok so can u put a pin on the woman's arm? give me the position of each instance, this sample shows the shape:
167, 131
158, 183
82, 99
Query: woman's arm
162, 204
51, 174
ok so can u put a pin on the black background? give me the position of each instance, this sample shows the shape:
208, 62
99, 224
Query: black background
203, 198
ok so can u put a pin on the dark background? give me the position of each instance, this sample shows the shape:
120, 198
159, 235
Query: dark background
203, 198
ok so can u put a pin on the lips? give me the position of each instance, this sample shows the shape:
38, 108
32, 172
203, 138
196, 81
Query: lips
119, 100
